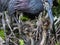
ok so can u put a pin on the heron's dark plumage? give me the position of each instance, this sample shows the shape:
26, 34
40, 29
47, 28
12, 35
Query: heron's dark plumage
29, 6
3, 5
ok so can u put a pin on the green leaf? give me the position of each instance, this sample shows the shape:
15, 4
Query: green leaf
58, 43
21, 41
58, 2
2, 34
24, 18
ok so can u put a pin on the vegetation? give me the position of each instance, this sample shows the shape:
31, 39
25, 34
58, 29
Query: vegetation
58, 43
56, 12
21, 41
2, 34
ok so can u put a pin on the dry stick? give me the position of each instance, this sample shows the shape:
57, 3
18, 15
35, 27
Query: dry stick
13, 42
9, 24
12, 33
31, 38
37, 34
43, 38
39, 24
32, 41
18, 21
21, 14
3, 22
